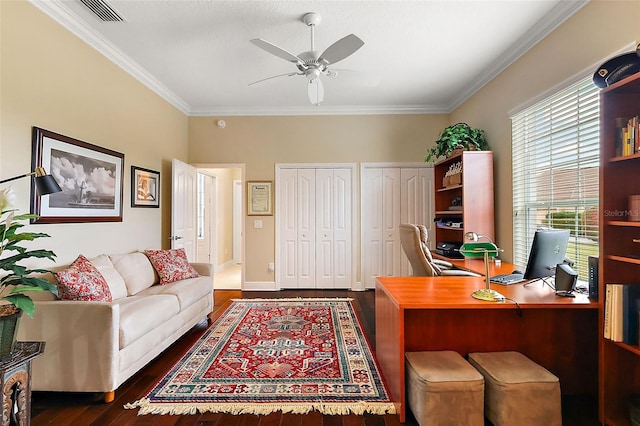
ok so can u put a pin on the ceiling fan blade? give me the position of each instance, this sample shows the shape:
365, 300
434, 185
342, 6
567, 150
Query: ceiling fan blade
316, 91
275, 76
278, 51
342, 48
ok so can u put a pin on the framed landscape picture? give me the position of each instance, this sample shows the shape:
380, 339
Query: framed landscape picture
90, 177
145, 187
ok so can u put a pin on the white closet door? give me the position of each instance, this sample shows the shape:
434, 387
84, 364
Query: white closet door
391, 222
306, 216
325, 249
287, 211
380, 220
371, 213
342, 229
333, 228
417, 199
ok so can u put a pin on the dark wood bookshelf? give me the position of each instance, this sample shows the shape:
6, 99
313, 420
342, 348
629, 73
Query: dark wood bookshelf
619, 261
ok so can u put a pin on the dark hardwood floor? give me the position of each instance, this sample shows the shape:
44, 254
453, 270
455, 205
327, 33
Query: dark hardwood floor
58, 408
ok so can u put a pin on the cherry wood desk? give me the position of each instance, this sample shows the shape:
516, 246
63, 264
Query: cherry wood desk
438, 313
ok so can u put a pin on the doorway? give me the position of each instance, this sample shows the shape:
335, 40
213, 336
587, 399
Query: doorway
221, 223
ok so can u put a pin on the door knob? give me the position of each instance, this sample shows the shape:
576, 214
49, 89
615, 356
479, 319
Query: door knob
175, 238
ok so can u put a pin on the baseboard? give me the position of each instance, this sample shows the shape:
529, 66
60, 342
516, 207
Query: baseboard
259, 286
223, 266
271, 286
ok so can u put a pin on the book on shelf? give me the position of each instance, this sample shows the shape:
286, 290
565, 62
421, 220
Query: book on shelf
622, 309
627, 136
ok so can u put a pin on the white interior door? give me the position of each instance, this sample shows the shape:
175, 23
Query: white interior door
183, 207
237, 221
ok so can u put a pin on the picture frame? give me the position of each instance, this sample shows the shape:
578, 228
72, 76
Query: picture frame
90, 177
259, 198
145, 187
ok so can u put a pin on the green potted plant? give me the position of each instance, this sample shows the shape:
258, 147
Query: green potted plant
17, 280
457, 136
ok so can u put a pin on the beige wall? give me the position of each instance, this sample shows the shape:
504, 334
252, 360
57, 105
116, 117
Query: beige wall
261, 142
592, 34
53, 80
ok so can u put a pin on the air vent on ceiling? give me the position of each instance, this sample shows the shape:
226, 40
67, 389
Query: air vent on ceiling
103, 10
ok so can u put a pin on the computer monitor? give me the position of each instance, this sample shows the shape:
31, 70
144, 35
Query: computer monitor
547, 250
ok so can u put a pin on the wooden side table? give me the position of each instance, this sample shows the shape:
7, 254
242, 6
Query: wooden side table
15, 382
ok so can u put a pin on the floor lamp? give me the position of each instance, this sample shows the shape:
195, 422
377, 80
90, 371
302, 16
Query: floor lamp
477, 249
45, 184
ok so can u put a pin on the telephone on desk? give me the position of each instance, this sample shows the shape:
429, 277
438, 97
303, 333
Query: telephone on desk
505, 279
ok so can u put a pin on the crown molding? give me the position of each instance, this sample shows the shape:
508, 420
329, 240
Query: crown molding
552, 20
319, 110
60, 13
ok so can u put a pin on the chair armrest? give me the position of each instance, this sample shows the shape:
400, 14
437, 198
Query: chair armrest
443, 264
82, 345
203, 268
460, 273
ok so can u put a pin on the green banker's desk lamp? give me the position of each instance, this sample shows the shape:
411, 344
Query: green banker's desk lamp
474, 250
45, 184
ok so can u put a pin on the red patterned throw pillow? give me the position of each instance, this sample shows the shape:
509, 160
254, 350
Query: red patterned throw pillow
82, 281
171, 265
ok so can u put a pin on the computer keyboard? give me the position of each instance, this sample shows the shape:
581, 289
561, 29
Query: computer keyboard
506, 279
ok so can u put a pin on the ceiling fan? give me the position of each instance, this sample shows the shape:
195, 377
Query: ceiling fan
313, 64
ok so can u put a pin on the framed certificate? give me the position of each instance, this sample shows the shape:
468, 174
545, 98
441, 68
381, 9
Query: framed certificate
259, 198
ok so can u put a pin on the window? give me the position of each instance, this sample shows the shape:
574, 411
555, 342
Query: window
556, 158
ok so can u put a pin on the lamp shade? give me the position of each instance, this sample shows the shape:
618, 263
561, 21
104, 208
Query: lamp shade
477, 250
47, 185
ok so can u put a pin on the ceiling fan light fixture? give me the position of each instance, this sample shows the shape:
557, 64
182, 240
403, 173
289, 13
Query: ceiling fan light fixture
312, 73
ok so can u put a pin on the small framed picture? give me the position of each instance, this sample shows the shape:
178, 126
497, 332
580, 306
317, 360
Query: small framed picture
259, 198
145, 187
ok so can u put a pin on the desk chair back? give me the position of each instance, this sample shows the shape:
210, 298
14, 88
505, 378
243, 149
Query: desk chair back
413, 239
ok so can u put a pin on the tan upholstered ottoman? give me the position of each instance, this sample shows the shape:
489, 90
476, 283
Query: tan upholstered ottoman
517, 390
444, 389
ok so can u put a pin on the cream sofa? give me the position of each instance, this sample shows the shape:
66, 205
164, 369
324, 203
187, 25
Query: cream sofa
95, 346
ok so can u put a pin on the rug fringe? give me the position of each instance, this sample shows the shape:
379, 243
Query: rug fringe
340, 409
298, 299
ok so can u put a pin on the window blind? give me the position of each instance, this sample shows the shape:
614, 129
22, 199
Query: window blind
555, 171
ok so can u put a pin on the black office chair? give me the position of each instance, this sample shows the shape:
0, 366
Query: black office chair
413, 239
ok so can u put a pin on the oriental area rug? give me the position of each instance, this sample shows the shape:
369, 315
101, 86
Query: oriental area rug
261, 356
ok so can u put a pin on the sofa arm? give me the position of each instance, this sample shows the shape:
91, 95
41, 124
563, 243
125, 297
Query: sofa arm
203, 268
82, 345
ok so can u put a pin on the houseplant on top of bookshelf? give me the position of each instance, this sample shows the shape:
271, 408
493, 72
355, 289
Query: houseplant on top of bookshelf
17, 280
458, 136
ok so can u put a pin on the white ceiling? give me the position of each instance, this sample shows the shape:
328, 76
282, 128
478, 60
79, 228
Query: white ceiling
428, 56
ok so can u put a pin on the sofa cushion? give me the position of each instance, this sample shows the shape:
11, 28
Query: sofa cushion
171, 265
82, 281
111, 276
136, 270
141, 314
186, 291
